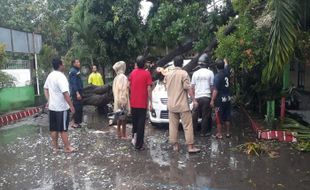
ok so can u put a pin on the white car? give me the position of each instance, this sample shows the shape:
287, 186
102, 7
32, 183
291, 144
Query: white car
159, 114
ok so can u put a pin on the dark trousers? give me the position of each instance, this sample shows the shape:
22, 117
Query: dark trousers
138, 125
78, 106
204, 109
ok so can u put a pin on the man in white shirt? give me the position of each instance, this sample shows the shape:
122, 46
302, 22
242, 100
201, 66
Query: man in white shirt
202, 84
56, 90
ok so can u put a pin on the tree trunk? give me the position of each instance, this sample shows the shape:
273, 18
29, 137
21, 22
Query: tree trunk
189, 46
178, 51
97, 96
193, 63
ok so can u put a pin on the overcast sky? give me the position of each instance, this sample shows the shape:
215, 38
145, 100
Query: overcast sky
145, 8
146, 5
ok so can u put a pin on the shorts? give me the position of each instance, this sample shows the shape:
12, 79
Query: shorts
59, 120
223, 112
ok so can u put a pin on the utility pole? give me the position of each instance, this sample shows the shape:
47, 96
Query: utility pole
36, 64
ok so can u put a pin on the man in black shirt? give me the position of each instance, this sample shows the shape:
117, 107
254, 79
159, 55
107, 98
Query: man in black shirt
221, 97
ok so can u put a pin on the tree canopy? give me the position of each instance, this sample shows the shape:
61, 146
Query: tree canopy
105, 31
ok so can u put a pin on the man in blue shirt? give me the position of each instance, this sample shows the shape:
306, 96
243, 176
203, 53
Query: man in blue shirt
76, 90
221, 97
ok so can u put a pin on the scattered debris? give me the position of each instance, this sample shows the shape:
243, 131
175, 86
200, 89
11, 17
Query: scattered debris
301, 132
258, 148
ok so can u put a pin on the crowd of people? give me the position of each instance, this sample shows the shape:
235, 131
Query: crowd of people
133, 96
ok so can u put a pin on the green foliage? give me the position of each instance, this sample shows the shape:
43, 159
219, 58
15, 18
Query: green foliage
245, 48
304, 44
176, 22
247, 6
247, 51
53, 24
46, 17
45, 58
2, 55
106, 31
5, 79
283, 36
21, 14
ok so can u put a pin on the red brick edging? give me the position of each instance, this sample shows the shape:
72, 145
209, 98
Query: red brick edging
270, 134
12, 117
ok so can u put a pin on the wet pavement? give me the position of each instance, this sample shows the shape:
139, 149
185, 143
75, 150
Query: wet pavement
105, 162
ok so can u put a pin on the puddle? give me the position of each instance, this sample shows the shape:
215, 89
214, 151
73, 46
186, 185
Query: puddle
105, 162
10, 135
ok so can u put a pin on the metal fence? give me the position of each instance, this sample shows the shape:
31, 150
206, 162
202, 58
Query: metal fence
17, 64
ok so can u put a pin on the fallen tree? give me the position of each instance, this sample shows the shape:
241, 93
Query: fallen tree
193, 63
186, 47
97, 96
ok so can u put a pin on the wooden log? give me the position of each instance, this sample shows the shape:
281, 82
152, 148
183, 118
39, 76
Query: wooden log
97, 89
98, 100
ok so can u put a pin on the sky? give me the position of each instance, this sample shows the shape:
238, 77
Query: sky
146, 5
145, 8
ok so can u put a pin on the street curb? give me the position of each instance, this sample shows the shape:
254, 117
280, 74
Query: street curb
282, 136
13, 117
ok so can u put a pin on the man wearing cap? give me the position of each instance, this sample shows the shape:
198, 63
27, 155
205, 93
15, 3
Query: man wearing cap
202, 84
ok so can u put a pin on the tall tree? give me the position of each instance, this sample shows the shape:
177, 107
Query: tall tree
111, 30
46, 17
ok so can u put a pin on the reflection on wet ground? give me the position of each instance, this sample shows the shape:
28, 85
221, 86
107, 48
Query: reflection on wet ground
104, 162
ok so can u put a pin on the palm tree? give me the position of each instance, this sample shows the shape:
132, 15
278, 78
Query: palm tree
283, 36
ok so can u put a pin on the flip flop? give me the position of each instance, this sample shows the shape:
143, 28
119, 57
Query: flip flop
76, 126
71, 150
140, 149
125, 138
218, 136
176, 148
55, 150
194, 150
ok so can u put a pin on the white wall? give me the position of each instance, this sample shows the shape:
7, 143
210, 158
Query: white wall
22, 76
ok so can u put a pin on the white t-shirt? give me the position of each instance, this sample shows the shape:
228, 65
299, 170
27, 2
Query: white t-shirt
57, 84
203, 80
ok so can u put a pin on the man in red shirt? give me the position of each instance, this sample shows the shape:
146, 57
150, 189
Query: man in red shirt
140, 89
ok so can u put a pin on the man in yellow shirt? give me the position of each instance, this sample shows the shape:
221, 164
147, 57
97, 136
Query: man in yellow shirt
95, 77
